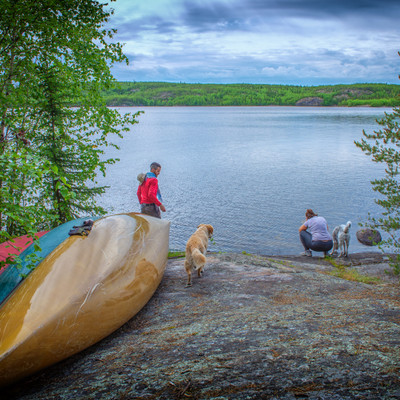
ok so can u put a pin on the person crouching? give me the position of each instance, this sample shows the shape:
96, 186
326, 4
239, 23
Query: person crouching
318, 237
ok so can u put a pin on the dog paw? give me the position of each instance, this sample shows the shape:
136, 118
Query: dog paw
188, 285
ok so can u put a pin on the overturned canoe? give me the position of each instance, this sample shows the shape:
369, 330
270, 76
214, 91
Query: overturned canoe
10, 278
81, 292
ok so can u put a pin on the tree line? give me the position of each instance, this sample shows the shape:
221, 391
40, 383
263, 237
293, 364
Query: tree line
184, 94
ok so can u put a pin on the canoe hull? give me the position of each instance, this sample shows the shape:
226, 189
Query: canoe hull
12, 277
84, 290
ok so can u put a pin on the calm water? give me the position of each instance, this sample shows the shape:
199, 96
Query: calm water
251, 172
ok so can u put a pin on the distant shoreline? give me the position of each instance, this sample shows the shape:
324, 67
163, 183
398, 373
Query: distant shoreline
163, 94
269, 106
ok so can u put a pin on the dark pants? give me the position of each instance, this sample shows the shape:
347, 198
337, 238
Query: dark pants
150, 209
316, 245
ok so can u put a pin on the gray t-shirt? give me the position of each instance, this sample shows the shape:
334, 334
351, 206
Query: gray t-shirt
318, 228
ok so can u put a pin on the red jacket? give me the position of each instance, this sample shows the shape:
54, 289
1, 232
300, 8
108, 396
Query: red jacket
147, 192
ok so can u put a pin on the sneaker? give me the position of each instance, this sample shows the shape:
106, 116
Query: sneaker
307, 253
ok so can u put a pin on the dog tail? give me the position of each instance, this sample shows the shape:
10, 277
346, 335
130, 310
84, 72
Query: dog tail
347, 227
199, 259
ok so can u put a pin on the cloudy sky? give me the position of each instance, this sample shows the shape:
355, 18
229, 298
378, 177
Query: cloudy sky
300, 42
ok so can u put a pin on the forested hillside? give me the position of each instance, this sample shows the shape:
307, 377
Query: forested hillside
183, 94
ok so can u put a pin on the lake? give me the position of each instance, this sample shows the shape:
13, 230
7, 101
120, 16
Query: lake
251, 172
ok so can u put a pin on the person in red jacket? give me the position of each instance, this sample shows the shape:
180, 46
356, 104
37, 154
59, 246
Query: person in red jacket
148, 192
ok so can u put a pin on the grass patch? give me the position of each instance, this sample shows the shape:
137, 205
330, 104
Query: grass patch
353, 275
350, 274
281, 262
176, 254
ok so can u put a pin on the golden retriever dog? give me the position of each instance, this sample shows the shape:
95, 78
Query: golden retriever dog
196, 249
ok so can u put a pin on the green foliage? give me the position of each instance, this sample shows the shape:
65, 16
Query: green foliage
351, 274
183, 94
383, 147
176, 254
54, 54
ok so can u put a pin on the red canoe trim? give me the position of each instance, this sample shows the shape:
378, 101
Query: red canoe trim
17, 246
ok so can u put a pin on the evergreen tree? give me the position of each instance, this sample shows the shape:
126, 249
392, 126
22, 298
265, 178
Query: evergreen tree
383, 146
54, 54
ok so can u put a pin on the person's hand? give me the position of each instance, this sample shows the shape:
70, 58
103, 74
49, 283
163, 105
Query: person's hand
162, 208
302, 228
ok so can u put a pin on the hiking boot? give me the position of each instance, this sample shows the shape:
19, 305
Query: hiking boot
306, 253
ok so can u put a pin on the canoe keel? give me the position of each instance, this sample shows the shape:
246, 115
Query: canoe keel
83, 291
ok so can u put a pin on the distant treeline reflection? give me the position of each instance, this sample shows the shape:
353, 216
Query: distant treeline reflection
184, 94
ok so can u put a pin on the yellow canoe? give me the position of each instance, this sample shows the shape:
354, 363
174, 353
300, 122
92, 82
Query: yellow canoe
81, 292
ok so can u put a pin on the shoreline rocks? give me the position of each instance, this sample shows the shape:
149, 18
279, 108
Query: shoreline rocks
368, 236
310, 101
253, 327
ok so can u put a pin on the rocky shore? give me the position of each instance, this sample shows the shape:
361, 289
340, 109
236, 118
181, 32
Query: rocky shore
253, 327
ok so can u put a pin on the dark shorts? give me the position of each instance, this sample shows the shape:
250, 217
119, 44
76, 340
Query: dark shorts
150, 209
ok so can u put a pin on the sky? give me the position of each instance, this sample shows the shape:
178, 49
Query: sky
288, 42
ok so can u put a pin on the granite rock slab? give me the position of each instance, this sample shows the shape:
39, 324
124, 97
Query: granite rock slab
253, 327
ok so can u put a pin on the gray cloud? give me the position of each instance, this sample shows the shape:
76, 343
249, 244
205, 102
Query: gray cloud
241, 14
135, 28
261, 41
245, 15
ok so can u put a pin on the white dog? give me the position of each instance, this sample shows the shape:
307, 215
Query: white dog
341, 239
